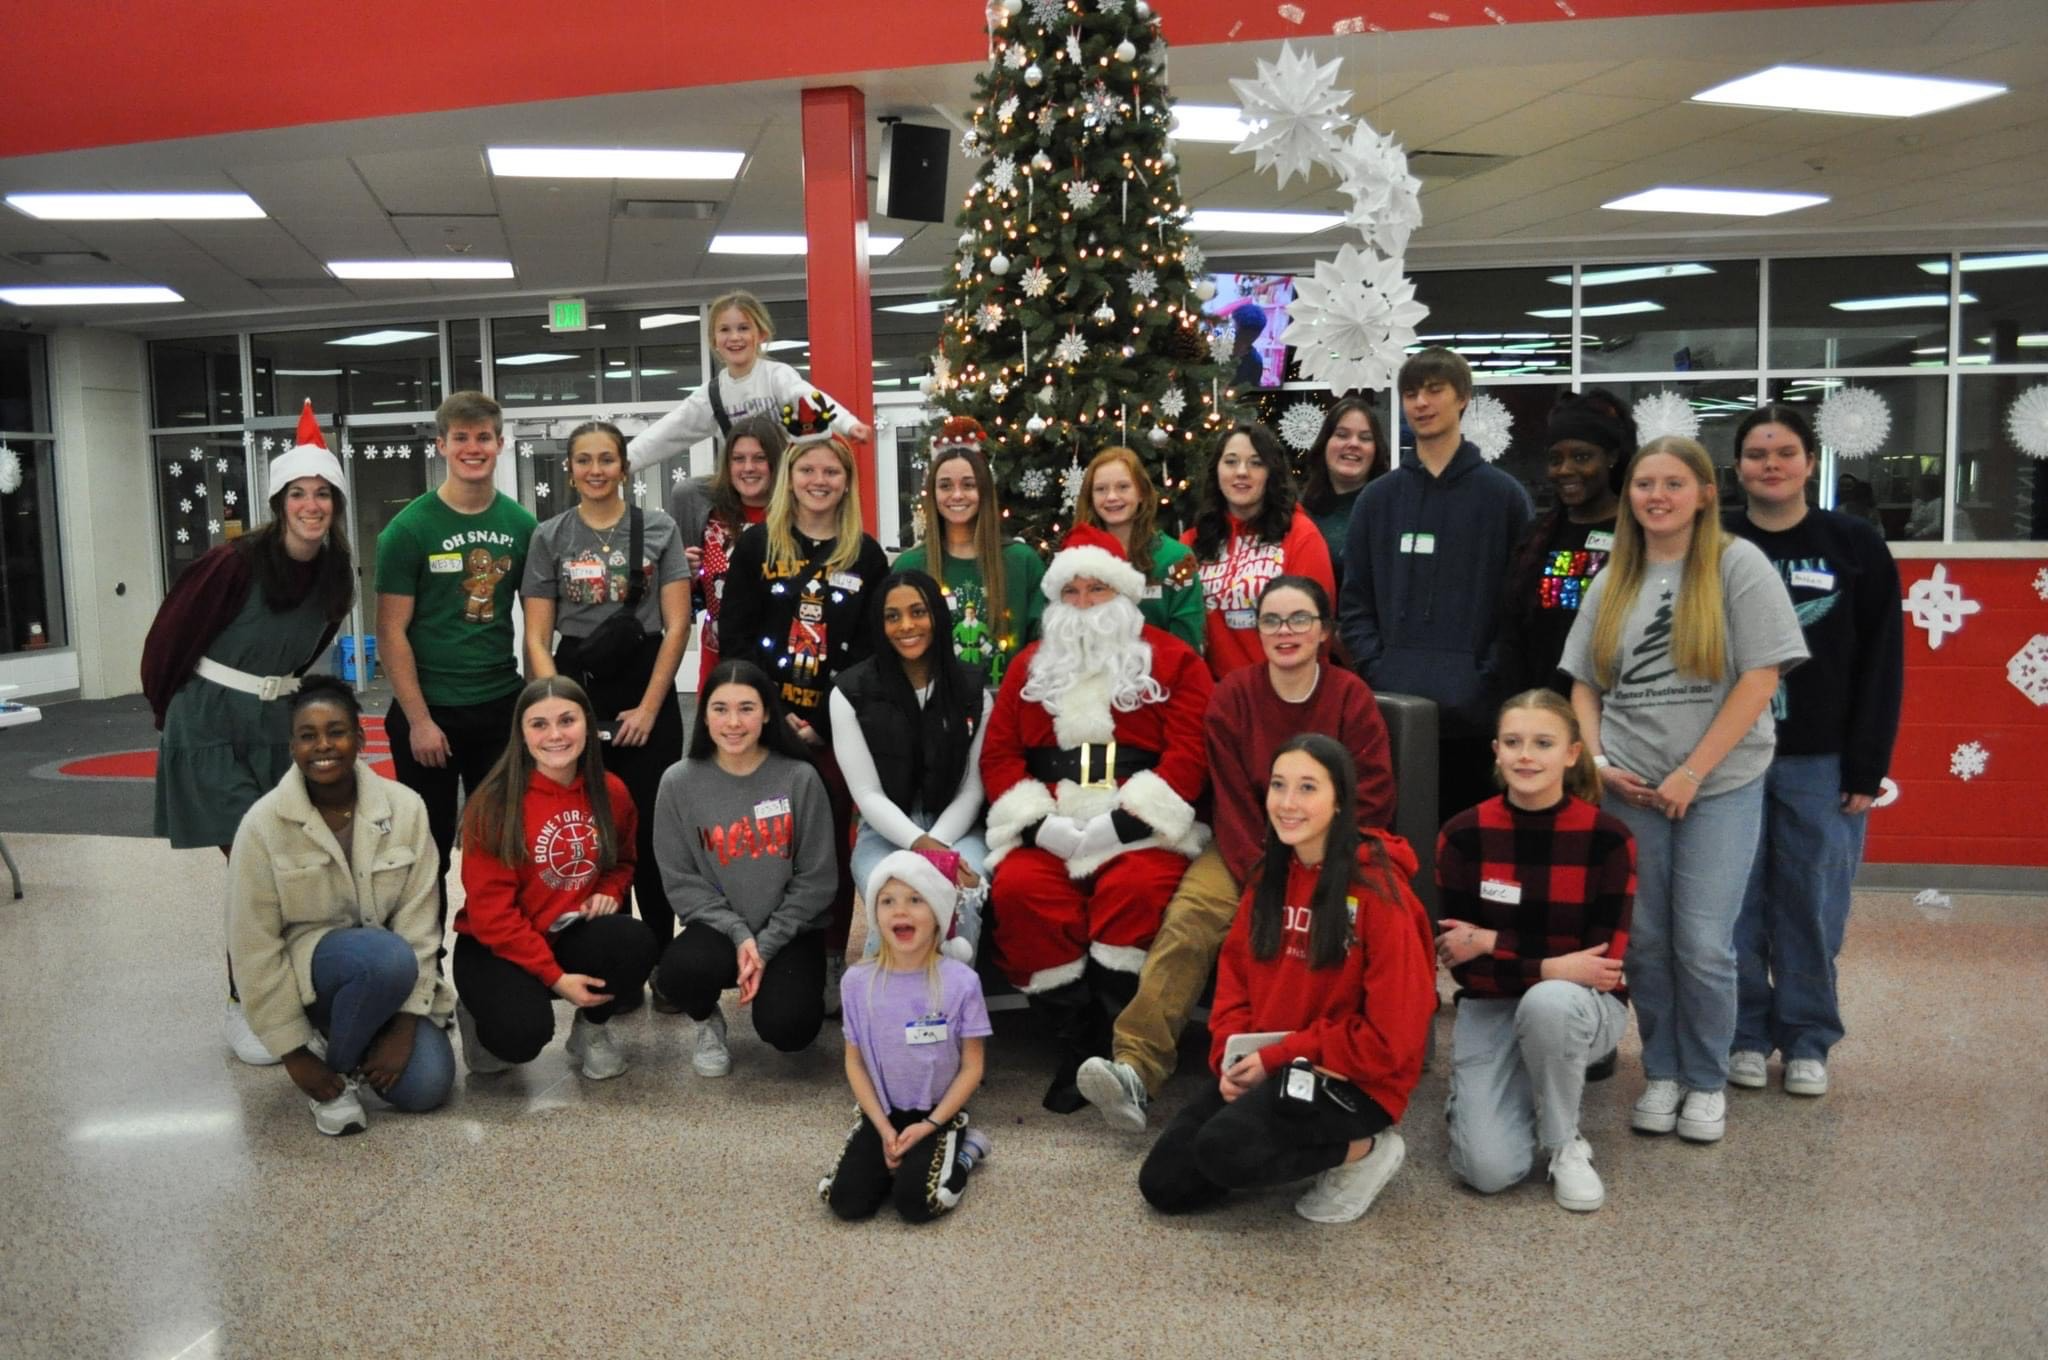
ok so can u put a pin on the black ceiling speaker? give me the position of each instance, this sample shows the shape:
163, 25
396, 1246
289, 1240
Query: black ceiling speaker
912, 183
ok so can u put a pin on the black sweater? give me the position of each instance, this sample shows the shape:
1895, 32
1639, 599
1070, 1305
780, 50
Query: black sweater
758, 620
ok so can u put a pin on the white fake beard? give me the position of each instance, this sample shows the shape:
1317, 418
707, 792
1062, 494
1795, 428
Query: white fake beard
1087, 651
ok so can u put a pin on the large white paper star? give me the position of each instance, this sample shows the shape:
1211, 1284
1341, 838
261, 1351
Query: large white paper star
1292, 109
1353, 321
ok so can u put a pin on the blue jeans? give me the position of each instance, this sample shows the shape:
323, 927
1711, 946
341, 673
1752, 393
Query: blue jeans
1795, 912
361, 976
1690, 877
871, 847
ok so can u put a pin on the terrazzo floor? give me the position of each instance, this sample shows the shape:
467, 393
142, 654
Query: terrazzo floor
159, 1200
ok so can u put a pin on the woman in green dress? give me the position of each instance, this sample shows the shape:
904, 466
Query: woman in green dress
1118, 497
225, 653
991, 585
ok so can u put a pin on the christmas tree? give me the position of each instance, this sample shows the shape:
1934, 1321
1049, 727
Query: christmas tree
1075, 322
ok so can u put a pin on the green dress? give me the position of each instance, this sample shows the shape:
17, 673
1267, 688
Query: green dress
976, 639
223, 749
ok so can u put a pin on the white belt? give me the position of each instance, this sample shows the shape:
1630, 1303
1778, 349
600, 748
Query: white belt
262, 686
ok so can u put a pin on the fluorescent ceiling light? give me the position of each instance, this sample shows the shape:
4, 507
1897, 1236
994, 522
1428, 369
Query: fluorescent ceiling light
133, 207
1208, 123
660, 319
774, 345
305, 373
2032, 342
1261, 223
420, 269
570, 162
1973, 263
1725, 202
1822, 89
64, 295
1604, 309
925, 308
1895, 304
382, 337
513, 360
1593, 278
787, 244
1936, 349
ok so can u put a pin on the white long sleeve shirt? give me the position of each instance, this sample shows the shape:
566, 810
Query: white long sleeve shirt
768, 387
864, 782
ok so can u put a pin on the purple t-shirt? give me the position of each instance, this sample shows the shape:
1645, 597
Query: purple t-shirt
881, 1023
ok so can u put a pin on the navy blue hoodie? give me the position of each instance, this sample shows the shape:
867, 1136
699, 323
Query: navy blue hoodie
1423, 565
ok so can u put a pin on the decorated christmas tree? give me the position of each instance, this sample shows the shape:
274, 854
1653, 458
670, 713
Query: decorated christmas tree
1075, 321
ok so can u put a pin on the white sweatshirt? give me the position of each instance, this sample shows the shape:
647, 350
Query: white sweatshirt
768, 387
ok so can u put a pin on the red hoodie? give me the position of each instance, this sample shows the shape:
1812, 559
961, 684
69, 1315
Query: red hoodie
507, 907
1367, 1019
1231, 586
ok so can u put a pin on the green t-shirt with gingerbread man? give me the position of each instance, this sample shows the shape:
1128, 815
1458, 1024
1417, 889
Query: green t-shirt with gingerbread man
461, 572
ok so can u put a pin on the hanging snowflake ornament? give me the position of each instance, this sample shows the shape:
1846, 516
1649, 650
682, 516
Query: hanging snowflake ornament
1074, 47
1191, 256
1663, 413
1386, 200
1144, 283
1070, 484
1489, 424
942, 371
1006, 112
1015, 57
1034, 482
964, 266
990, 317
1292, 110
1002, 175
2041, 583
10, 471
184, 535
1081, 195
2027, 670
1101, 107
1300, 424
1968, 761
2026, 421
1353, 321
1110, 7
1173, 401
1071, 349
1034, 282
1854, 422
1937, 604
1221, 342
1047, 115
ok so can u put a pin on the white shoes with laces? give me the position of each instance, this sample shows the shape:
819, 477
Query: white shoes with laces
593, 1047
1573, 1180
713, 1058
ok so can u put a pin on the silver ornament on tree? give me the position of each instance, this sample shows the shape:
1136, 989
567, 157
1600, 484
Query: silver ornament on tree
999, 389
1104, 315
1013, 8
1041, 162
999, 264
1127, 51
1035, 425
967, 240
1205, 290
1034, 75
1158, 436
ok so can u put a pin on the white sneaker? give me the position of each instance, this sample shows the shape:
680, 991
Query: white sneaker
1747, 1069
1704, 1117
712, 1058
1806, 1077
1342, 1193
480, 1061
835, 970
1573, 1180
242, 1040
593, 1047
1656, 1109
1115, 1089
341, 1115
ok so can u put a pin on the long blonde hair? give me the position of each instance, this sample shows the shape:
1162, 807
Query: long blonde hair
934, 954
1144, 522
783, 553
1582, 780
1699, 628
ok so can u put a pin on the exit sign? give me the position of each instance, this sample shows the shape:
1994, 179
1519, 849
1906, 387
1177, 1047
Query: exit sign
568, 314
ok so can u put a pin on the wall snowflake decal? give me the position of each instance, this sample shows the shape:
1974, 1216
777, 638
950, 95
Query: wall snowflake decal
2026, 422
1035, 282
184, 535
1002, 175
185, 505
1937, 604
230, 497
639, 488
1081, 195
1489, 424
199, 490
268, 443
1854, 422
1173, 401
212, 526
1291, 108
177, 469
540, 490
2041, 583
676, 475
1968, 761
1071, 349
1663, 413
1299, 424
1144, 283
220, 465
2027, 669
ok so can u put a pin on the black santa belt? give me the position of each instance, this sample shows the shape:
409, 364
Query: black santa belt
1091, 765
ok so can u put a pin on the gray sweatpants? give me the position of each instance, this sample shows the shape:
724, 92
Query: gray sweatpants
1518, 1068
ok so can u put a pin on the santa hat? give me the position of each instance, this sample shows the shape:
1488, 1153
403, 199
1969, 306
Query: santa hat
1095, 554
308, 457
808, 419
959, 432
930, 873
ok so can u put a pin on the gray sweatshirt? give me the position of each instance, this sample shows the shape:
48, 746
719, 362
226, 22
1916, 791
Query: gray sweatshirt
751, 855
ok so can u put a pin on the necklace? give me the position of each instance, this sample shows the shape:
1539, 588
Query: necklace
604, 539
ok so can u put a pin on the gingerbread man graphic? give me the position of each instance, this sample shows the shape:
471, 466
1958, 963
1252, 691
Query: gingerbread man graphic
480, 584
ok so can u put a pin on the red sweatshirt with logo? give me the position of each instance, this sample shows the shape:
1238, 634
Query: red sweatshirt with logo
508, 907
1231, 584
1367, 1019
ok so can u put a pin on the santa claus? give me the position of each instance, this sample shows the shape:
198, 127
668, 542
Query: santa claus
1092, 761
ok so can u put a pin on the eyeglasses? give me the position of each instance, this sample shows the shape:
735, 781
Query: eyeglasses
1299, 622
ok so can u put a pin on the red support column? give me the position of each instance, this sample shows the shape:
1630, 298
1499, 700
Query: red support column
836, 225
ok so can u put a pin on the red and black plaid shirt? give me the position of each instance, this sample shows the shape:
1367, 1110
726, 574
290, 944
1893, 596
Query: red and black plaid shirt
1549, 883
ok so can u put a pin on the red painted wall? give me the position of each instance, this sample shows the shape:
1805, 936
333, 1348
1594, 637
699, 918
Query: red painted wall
1959, 693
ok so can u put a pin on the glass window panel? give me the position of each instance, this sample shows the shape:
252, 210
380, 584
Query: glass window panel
2001, 489
1527, 455
534, 366
668, 373
196, 381
24, 384
2008, 322
389, 466
904, 342
31, 571
1822, 313
615, 380
1490, 317
1897, 488
466, 354
370, 368
542, 450
202, 496
1684, 317
1719, 403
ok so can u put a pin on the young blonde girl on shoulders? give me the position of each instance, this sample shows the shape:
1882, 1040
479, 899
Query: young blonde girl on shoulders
915, 1022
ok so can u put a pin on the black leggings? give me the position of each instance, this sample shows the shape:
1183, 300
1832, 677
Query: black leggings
1213, 1146
476, 734
789, 1006
927, 1182
514, 1011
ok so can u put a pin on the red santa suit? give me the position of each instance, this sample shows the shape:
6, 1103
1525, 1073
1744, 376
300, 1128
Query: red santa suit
1053, 912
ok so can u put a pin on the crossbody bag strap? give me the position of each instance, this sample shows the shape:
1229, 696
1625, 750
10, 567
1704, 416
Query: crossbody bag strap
636, 577
718, 411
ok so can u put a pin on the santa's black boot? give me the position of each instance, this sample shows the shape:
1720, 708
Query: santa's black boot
1069, 1013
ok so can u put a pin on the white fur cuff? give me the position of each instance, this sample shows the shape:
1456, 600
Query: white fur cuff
1118, 958
1026, 803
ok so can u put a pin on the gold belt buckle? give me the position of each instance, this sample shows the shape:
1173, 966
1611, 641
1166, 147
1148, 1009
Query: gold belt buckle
1108, 779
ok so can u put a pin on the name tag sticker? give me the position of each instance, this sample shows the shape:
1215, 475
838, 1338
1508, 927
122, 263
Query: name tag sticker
926, 1031
1600, 540
771, 807
1418, 543
586, 570
843, 580
1813, 580
1152, 592
1500, 890
442, 564
1241, 619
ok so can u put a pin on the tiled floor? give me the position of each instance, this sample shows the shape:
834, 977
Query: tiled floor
158, 1200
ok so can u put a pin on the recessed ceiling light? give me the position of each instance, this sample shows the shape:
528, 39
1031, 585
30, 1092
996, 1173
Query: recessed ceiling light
568, 162
1894, 304
1593, 278
515, 360
1208, 123
1604, 309
924, 308
133, 207
383, 337
1822, 89
1973, 263
1261, 223
1725, 202
787, 244
99, 295
420, 269
660, 319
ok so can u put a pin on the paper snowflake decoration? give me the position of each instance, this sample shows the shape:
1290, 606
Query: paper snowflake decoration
1070, 484
990, 317
230, 497
639, 488
199, 490
1292, 110
213, 526
1046, 116
268, 443
1353, 321
540, 490
2027, 669
185, 506
1191, 255
1220, 344
177, 469
1663, 413
1110, 7
1937, 604
1101, 107
964, 266
1034, 482
1046, 13
220, 465
1002, 175
1144, 283
525, 448
1034, 282
1967, 761
1071, 349
184, 535
2041, 583
1489, 424
1173, 401
1015, 57
1006, 112
1081, 195
676, 475
1074, 47
1299, 425
1386, 200
2026, 422
1853, 422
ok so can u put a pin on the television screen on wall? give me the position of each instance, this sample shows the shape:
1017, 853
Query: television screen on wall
1250, 311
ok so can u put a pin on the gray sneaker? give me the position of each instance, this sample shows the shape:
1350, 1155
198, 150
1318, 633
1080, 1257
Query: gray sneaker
593, 1047
480, 1061
1806, 1077
341, 1115
712, 1058
1115, 1089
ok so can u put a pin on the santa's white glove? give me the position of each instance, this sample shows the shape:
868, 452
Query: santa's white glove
1098, 839
1059, 836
